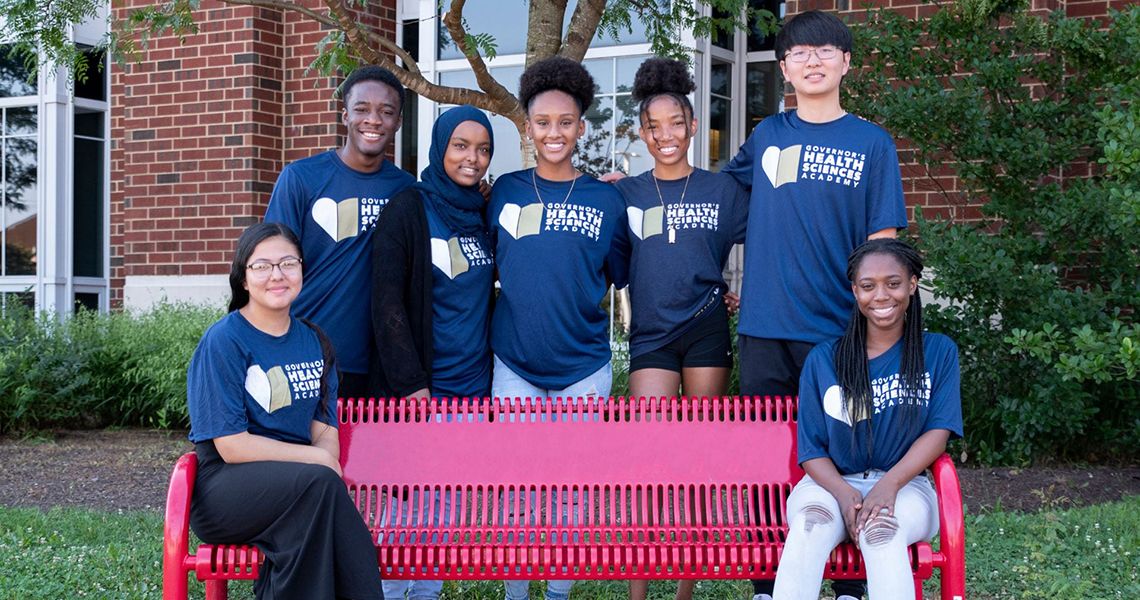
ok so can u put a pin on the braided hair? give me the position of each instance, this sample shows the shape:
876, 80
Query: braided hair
851, 350
663, 77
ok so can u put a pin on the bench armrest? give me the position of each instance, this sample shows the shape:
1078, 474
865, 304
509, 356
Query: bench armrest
176, 531
951, 527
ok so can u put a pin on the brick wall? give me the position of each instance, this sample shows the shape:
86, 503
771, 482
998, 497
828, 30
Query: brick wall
938, 190
201, 127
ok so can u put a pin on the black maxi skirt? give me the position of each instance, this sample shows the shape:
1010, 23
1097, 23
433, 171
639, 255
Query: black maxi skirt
299, 515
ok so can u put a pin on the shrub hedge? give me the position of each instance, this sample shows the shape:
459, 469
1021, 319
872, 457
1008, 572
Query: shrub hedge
98, 370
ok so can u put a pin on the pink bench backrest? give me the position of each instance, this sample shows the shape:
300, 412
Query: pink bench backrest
671, 462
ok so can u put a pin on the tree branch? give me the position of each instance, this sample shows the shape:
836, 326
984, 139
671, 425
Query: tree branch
409, 63
409, 74
583, 28
504, 102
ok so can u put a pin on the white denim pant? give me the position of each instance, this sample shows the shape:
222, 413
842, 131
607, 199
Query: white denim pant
816, 527
505, 383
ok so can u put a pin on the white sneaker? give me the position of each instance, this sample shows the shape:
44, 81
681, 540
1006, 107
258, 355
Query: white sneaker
761, 597
846, 597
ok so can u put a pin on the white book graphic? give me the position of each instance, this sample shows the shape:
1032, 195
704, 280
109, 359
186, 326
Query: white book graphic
646, 223
521, 221
340, 220
781, 166
448, 257
269, 389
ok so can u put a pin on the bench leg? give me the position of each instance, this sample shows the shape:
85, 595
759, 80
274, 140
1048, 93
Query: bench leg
917, 588
216, 589
953, 581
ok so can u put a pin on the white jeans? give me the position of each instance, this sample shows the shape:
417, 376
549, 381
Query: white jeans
817, 526
505, 383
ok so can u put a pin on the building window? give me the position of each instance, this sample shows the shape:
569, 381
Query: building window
721, 147
409, 128
53, 188
18, 177
508, 26
89, 208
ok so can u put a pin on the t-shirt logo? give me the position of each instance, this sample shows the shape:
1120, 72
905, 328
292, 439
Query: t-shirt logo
645, 223
281, 385
886, 392
521, 221
574, 218
781, 166
457, 255
813, 163
347, 218
269, 389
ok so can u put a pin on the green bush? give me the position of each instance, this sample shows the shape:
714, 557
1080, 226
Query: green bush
95, 370
1041, 291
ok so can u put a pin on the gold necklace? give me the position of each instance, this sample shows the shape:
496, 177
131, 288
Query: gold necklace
664, 209
534, 182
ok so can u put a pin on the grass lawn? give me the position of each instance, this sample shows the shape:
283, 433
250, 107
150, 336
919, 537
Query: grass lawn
1087, 553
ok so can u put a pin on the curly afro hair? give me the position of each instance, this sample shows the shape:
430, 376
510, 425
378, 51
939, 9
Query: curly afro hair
557, 73
663, 77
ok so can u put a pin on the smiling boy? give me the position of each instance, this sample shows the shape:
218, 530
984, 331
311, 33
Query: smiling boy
331, 200
822, 181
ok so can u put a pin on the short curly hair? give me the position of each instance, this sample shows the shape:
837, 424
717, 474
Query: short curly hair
372, 73
663, 77
557, 73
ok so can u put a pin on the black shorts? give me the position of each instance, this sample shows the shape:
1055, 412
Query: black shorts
705, 344
771, 367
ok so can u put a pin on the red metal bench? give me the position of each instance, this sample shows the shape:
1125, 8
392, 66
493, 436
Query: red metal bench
592, 489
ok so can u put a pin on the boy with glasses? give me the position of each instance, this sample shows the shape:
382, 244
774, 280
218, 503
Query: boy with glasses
822, 182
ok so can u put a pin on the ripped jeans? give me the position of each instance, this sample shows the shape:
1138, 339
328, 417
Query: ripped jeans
816, 527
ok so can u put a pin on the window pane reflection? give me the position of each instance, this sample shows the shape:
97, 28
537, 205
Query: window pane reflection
720, 116
87, 225
764, 90
18, 187
506, 21
14, 79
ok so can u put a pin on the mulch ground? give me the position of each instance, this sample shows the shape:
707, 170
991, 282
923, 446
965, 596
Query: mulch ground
129, 469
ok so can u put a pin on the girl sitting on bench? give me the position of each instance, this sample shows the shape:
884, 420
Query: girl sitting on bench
262, 392
877, 406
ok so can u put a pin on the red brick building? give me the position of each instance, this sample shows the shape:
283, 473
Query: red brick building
137, 184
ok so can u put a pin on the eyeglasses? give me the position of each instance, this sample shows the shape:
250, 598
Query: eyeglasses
263, 268
801, 55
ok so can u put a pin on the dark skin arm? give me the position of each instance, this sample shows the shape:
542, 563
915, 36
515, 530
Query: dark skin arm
921, 455
824, 473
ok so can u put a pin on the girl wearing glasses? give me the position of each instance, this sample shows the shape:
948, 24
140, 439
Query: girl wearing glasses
683, 222
261, 392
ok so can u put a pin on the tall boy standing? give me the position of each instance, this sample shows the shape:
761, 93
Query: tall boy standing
331, 201
822, 182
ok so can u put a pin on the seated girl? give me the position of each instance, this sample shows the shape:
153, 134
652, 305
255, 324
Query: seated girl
877, 406
261, 390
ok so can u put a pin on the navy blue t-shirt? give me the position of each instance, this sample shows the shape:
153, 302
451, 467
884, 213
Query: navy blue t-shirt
333, 209
243, 379
463, 276
824, 423
678, 250
818, 190
553, 261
